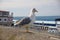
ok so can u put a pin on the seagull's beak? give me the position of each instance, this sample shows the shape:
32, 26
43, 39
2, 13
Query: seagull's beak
36, 11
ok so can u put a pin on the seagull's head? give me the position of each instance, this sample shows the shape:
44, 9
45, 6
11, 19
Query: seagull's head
34, 10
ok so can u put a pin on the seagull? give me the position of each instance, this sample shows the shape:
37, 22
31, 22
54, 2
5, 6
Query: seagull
27, 21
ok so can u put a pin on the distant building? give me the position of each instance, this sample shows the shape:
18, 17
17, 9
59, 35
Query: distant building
6, 18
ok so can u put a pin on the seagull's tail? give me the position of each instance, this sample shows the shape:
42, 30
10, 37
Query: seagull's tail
16, 23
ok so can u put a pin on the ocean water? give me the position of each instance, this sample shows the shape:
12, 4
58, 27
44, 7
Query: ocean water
48, 20
41, 18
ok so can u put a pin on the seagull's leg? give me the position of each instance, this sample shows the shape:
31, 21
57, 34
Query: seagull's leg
27, 28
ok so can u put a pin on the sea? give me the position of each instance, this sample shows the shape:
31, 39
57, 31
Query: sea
48, 20
41, 18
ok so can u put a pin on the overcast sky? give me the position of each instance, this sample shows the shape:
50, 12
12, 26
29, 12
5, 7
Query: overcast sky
23, 7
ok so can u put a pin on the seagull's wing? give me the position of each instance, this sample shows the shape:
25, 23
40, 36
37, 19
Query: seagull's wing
24, 21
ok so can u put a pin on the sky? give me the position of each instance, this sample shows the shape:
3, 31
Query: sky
23, 7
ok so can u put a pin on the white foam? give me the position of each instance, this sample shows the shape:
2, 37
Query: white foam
48, 22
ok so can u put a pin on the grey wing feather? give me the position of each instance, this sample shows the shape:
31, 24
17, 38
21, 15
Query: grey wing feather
24, 21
